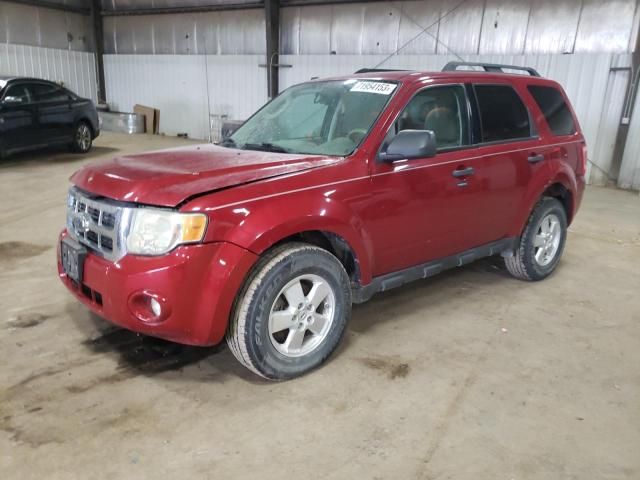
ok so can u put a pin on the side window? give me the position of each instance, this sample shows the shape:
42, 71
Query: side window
442, 110
503, 116
44, 92
554, 108
18, 94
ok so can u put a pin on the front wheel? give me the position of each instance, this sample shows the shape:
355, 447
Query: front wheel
82, 138
292, 312
542, 242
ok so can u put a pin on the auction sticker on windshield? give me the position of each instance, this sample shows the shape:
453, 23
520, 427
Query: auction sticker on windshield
382, 88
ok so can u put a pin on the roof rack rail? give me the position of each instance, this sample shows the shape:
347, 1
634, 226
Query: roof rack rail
489, 67
370, 70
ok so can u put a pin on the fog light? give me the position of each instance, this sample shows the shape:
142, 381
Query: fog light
149, 307
155, 307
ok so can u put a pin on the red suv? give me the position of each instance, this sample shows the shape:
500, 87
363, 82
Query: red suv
335, 190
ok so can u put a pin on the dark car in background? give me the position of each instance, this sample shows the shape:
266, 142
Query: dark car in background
38, 113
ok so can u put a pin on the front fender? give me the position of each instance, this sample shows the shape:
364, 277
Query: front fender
257, 226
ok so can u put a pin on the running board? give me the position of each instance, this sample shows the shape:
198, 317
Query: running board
386, 282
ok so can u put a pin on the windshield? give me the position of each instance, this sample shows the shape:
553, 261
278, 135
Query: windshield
325, 118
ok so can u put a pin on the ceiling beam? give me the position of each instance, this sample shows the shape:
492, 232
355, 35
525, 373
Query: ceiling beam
53, 6
306, 3
221, 7
184, 9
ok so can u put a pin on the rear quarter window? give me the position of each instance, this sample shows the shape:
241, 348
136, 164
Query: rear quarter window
555, 109
503, 115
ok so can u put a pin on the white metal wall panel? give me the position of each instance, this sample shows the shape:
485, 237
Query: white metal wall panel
315, 30
504, 26
381, 33
176, 84
607, 130
416, 17
597, 96
459, 31
75, 69
630, 170
44, 27
552, 26
605, 26
228, 33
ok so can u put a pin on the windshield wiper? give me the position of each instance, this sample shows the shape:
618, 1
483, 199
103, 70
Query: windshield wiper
228, 142
265, 147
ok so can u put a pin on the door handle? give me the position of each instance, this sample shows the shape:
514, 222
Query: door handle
533, 158
463, 172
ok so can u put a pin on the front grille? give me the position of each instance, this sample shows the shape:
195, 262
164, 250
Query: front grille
97, 223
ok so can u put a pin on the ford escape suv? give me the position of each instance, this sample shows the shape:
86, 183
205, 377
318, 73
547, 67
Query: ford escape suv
335, 190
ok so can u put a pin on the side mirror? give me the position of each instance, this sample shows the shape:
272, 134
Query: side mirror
10, 100
408, 144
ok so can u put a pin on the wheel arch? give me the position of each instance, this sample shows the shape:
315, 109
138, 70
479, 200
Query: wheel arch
334, 244
561, 193
85, 119
562, 186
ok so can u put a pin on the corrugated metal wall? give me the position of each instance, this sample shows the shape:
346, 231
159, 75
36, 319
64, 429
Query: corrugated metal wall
50, 44
223, 33
630, 169
176, 84
45, 27
76, 70
477, 27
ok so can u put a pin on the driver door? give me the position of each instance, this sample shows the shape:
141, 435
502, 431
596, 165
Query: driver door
421, 207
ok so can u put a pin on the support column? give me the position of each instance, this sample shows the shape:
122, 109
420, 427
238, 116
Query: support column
272, 17
98, 42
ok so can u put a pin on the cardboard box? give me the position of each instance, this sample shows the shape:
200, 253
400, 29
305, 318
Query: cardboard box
151, 118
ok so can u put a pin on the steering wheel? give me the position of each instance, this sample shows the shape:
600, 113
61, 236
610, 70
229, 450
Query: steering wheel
356, 135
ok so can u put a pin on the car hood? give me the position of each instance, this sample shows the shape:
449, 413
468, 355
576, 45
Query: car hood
168, 177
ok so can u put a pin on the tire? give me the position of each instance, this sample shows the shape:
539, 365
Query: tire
272, 336
82, 138
542, 242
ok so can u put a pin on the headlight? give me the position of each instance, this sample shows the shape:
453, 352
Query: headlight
155, 232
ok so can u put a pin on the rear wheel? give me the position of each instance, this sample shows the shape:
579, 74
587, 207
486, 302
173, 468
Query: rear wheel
542, 242
292, 312
82, 138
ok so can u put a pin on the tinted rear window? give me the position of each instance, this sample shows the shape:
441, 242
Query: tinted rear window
503, 116
554, 108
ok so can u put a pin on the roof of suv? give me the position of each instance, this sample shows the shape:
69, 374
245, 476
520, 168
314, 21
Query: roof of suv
414, 75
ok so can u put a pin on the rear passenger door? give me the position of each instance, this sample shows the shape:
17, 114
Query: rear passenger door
505, 154
54, 111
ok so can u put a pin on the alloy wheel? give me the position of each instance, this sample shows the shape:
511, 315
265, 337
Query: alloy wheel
547, 239
301, 315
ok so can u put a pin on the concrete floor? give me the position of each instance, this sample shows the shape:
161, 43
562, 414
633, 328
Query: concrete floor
469, 375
